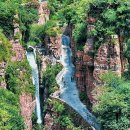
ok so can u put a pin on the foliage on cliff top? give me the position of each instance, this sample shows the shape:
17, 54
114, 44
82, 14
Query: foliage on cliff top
112, 18
69, 11
38, 32
8, 10
72, 12
113, 103
5, 48
18, 76
10, 112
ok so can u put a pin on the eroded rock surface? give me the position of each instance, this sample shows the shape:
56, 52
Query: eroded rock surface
2, 75
27, 105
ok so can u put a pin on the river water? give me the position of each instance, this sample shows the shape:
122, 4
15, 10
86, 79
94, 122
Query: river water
35, 78
68, 89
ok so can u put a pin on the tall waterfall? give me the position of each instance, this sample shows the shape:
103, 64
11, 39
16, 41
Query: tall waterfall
69, 92
35, 77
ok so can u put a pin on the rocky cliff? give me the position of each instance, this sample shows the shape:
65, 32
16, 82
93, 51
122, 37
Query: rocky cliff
2, 75
90, 67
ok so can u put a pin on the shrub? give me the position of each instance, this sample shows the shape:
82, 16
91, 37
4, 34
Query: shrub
5, 48
49, 77
18, 76
10, 112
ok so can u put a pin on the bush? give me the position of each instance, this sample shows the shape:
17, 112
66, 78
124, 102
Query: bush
112, 106
63, 118
18, 76
80, 32
37, 33
5, 48
49, 77
10, 112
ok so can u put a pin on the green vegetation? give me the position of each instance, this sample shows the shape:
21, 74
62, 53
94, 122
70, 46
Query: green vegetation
113, 103
112, 18
73, 13
7, 11
18, 76
49, 77
10, 118
27, 15
83, 96
34, 122
63, 118
38, 32
5, 47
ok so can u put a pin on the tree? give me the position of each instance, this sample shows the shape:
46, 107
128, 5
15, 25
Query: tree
18, 77
10, 117
5, 48
113, 103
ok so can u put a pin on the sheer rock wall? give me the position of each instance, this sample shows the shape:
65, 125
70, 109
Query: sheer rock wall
2, 75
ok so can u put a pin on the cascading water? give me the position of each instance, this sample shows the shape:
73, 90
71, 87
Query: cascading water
69, 92
35, 76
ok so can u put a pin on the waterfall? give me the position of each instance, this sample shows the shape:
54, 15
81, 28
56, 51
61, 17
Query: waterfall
35, 77
68, 89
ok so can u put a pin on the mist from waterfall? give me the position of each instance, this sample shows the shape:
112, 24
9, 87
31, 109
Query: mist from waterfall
68, 89
35, 78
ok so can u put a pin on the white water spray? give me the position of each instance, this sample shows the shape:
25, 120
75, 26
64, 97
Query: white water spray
32, 61
69, 92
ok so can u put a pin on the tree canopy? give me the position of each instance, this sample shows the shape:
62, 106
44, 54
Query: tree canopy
113, 103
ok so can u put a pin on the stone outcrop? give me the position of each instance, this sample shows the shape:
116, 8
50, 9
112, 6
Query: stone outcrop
43, 12
2, 75
27, 106
53, 45
84, 67
107, 58
17, 49
89, 68
27, 103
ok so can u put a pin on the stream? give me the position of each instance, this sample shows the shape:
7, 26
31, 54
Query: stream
67, 83
31, 56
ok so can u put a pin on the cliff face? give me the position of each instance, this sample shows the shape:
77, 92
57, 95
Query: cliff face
27, 103
89, 69
84, 68
2, 75
43, 12
107, 58
53, 46
27, 106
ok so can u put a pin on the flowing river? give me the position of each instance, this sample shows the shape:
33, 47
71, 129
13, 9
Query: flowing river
35, 76
68, 89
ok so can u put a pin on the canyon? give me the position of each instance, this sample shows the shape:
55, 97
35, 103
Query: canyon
80, 77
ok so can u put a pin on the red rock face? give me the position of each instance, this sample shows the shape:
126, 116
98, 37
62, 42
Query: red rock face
18, 51
89, 69
2, 75
53, 46
108, 58
84, 69
27, 105
44, 13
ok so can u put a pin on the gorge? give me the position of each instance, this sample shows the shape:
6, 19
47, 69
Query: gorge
64, 65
